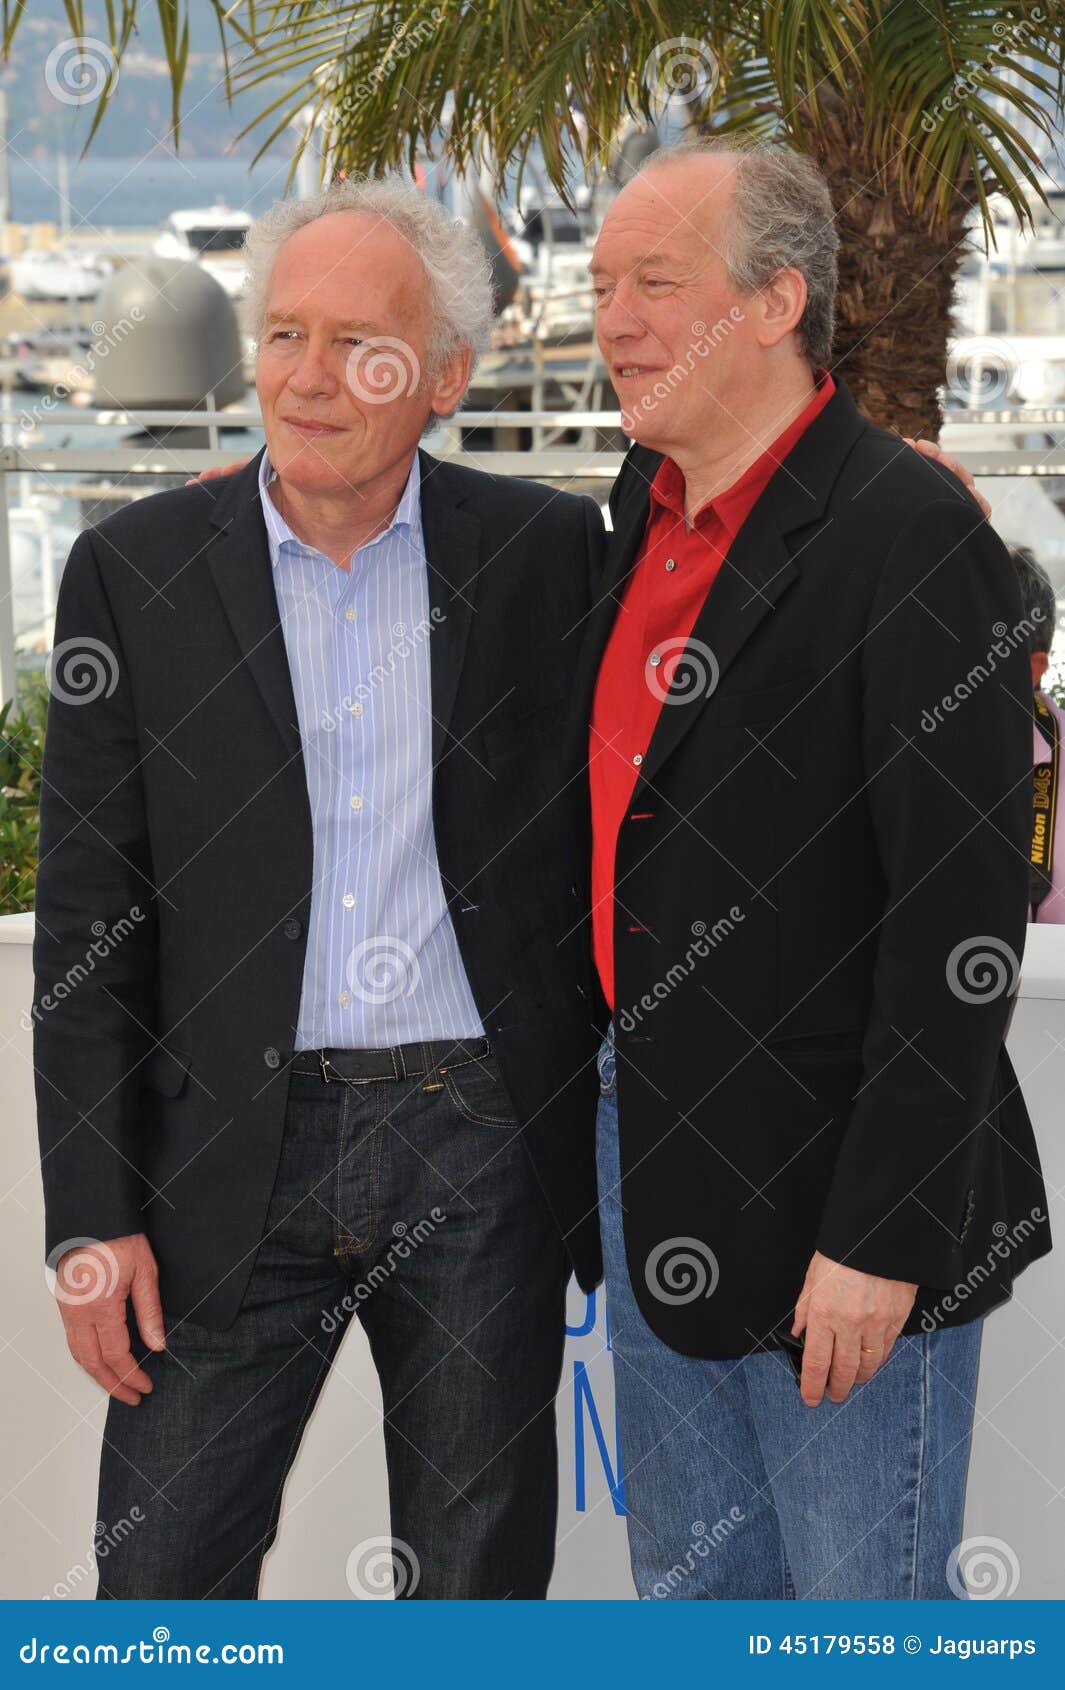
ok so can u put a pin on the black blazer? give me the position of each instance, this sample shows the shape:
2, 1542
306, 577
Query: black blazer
810, 1052
179, 790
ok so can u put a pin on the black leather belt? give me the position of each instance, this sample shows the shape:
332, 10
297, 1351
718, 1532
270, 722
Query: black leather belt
398, 1062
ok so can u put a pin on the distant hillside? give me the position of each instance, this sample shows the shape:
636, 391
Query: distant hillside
138, 117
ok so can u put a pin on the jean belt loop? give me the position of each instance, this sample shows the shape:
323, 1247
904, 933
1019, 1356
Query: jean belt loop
432, 1080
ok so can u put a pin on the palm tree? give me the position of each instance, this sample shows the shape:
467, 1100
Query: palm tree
916, 110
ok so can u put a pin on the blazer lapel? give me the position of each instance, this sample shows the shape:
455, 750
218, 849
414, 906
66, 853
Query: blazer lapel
759, 568
630, 520
745, 589
240, 565
239, 561
451, 534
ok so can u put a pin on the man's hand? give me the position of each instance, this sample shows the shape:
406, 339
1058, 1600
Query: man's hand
92, 1284
851, 1321
231, 469
929, 449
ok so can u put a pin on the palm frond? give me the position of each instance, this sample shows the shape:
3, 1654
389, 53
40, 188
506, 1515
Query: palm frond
945, 96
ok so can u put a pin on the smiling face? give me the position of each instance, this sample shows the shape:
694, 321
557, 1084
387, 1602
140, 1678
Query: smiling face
676, 336
341, 369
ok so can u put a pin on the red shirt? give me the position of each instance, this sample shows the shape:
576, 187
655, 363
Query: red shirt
671, 578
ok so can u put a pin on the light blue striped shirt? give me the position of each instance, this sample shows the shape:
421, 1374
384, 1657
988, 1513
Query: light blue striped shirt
383, 964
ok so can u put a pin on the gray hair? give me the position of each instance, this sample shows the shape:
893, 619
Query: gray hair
781, 217
1037, 593
455, 263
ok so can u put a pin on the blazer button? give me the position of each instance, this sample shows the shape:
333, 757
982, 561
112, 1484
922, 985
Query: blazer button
292, 928
272, 1057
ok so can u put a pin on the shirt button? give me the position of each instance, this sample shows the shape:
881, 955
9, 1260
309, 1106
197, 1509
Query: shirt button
654, 660
356, 709
348, 900
292, 929
345, 997
671, 564
355, 801
272, 1057
638, 759
350, 614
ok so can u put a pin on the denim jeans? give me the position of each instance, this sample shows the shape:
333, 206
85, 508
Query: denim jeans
419, 1212
735, 1488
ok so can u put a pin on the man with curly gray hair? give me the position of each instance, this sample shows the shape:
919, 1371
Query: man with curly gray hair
343, 1065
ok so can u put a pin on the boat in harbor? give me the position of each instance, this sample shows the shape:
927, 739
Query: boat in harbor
211, 237
57, 274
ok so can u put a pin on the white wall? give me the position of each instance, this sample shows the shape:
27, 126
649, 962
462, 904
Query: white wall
336, 1495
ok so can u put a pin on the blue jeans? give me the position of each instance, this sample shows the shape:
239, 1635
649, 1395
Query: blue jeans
735, 1488
419, 1213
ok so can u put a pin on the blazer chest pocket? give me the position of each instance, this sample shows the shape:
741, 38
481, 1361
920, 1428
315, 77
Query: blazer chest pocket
165, 1071
764, 705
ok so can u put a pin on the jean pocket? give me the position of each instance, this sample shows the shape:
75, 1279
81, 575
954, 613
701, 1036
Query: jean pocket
477, 1091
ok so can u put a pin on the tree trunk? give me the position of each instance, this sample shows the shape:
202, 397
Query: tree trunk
896, 282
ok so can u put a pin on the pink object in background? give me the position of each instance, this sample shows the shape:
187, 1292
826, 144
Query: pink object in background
1052, 907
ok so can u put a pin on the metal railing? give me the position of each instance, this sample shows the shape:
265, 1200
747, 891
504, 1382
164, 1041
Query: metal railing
125, 472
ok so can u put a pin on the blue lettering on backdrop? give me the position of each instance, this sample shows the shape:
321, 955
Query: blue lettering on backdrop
583, 1397
588, 1322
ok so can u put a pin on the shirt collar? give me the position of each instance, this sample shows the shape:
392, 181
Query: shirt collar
732, 505
278, 532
